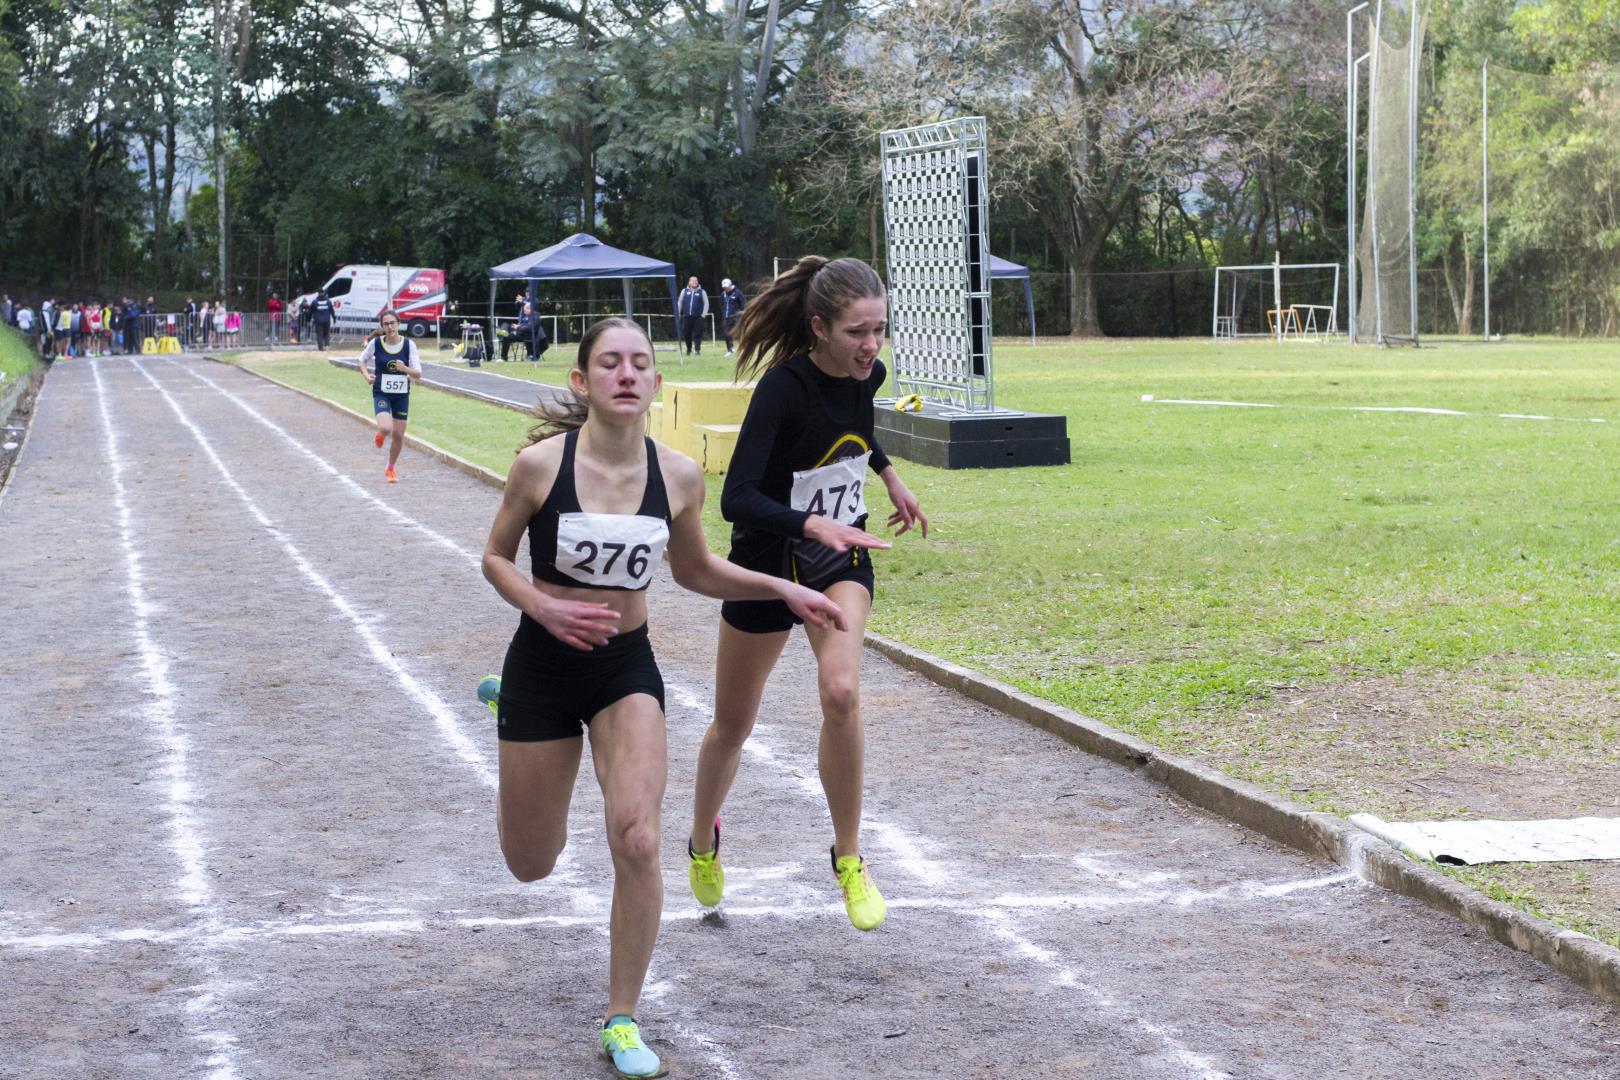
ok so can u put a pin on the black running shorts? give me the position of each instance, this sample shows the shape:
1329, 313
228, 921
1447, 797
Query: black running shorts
551, 691
774, 616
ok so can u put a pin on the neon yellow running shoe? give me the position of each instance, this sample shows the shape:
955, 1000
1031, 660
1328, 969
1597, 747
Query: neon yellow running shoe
704, 871
861, 898
621, 1041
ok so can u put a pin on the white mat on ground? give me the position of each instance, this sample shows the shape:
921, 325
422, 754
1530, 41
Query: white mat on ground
1468, 842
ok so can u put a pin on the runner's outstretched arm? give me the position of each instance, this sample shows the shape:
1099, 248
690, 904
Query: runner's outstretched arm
697, 568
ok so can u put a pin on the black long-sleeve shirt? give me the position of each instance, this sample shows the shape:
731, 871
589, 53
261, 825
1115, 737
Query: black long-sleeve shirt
796, 419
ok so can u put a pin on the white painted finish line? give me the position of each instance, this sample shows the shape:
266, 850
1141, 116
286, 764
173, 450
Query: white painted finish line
1469, 843
1149, 399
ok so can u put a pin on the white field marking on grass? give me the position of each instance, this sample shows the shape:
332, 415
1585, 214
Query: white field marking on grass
185, 833
333, 471
419, 922
1066, 978
1149, 399
444, 719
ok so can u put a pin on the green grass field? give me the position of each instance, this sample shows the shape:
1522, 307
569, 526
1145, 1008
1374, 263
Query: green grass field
1404, 613
16, 358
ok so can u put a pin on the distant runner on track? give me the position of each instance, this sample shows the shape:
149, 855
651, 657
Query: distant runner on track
394, 363
600, 505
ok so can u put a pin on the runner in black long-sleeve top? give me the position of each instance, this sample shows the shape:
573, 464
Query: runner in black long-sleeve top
796, 494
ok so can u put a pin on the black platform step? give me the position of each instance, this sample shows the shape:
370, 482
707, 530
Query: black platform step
966, 441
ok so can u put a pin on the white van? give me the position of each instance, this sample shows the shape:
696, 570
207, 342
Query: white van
360, 293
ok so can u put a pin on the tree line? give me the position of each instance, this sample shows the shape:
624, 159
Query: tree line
231, 145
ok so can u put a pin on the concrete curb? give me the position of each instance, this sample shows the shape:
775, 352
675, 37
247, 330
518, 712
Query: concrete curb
477, 472
22, 443
1584, 959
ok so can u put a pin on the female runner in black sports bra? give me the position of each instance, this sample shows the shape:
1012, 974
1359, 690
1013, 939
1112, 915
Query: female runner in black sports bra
795, 492
600, 505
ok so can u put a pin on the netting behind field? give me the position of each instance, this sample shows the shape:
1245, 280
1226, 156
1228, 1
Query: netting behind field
1387, 308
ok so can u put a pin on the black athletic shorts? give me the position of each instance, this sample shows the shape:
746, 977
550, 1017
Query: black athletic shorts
551, 691
773, 616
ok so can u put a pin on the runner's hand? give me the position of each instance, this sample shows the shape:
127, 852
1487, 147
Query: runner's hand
815, 608
907, 511
840, 537
578, 624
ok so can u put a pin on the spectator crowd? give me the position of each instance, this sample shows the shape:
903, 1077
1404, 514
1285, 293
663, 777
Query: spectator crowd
94, 327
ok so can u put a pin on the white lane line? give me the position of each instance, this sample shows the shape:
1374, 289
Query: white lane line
566, 871
1149, 399
1066, 978
909, 854
333, 471
418, 922
561, 878
185, 832
443, 717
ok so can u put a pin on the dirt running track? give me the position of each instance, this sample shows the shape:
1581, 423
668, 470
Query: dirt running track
246, 794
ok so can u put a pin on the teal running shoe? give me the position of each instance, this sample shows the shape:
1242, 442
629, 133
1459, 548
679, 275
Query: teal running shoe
489, 692
621, 1041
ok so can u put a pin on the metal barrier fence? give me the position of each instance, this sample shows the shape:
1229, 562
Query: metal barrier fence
564, 327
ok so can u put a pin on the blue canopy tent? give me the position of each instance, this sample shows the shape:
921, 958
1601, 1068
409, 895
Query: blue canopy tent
577, 258
1002, 270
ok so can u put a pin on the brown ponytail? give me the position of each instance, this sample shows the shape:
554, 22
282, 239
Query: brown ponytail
775, 326
570, 413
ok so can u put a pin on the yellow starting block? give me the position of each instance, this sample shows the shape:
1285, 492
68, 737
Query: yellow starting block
701, 420
148, 346
168, 343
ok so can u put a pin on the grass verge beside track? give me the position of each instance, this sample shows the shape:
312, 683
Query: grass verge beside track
17, 360
1407, 614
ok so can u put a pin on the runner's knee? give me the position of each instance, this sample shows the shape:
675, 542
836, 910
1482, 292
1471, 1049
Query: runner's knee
531, 863
731, 730
635, 840
840, 696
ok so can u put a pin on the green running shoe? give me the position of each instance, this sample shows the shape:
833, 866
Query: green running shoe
489, 692
704, 871
861, 898
621, 1041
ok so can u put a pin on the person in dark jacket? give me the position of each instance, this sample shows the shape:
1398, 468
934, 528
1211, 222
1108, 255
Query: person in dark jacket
694, 306
732, 302
132, 327
321, 315
527, 334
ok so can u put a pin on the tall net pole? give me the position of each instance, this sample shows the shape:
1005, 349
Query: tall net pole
1485, 181
1352, 79
1414, 67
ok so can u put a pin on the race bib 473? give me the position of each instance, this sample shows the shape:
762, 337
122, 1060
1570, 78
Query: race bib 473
836, 490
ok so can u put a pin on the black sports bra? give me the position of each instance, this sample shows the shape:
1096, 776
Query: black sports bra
572, 547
